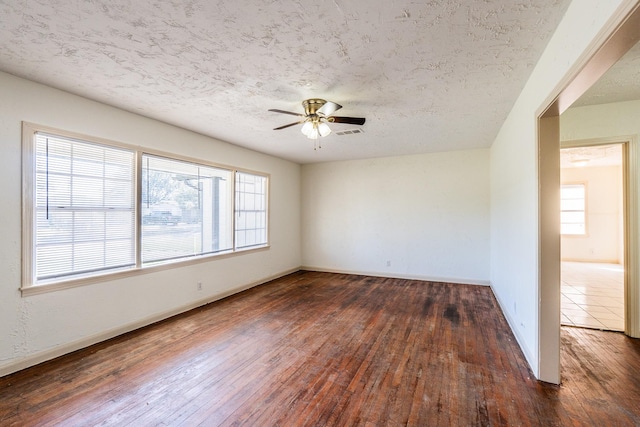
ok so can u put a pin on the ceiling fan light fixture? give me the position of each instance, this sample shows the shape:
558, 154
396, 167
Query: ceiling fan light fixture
307, 127
316, 118
313, 133
324, 129
580, 162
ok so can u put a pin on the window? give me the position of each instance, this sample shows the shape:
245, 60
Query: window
84, 207
251, 210
94, 207
572, 205
185, 209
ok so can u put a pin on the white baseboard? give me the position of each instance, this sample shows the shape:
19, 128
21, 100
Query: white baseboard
455, 280
519, 338
63, 349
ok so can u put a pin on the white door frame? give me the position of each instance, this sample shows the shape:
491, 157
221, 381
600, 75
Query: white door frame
623, 32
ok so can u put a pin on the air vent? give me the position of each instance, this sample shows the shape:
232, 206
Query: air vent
349, 132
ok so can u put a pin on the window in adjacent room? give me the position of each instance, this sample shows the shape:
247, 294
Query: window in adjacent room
572, 205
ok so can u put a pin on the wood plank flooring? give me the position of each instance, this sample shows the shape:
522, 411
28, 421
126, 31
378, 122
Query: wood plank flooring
320, 349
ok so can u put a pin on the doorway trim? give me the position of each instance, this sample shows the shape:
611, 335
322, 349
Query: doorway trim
630, 223
620, 34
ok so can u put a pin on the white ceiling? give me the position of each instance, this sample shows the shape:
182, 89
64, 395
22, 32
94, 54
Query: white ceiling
430, 75
620, 83
591, 156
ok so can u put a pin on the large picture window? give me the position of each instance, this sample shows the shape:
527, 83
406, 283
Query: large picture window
185, 209
92, 207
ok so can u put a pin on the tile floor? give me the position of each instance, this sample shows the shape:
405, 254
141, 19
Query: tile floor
593, 295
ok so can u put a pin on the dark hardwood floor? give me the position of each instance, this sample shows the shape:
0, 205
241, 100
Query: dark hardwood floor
319, 349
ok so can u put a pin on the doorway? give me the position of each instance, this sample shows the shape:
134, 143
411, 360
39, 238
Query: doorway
622, 34
592, 236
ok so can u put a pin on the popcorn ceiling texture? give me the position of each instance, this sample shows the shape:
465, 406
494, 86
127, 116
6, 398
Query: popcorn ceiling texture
620, 83
428, 75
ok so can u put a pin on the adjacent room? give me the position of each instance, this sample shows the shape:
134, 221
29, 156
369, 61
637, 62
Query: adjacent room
592, 245
340, 213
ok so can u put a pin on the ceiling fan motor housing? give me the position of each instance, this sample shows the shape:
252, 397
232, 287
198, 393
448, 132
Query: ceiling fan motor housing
312, 105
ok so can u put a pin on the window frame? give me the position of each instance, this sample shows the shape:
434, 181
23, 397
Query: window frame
585, 222
229, 211
81, 187
236, 211
29, 284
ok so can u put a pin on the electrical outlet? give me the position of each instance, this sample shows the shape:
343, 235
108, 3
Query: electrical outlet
388, 263
199, 286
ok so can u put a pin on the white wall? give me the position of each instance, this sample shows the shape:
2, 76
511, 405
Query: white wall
603, 240
427, 215
40, 326
514, 176
600, 121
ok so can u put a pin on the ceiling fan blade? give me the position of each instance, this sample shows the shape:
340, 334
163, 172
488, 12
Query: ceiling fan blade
289, 125
347, 120
328, 108
286, 112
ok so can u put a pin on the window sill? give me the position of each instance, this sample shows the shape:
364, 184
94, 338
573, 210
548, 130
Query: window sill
116, 275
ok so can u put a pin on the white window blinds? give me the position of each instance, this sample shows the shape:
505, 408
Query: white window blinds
85, 207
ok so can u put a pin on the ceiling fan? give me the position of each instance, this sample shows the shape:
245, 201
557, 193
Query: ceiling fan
317, 113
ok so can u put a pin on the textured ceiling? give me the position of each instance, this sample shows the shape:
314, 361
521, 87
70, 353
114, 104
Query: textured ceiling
620, 83
429, 75
592, 156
